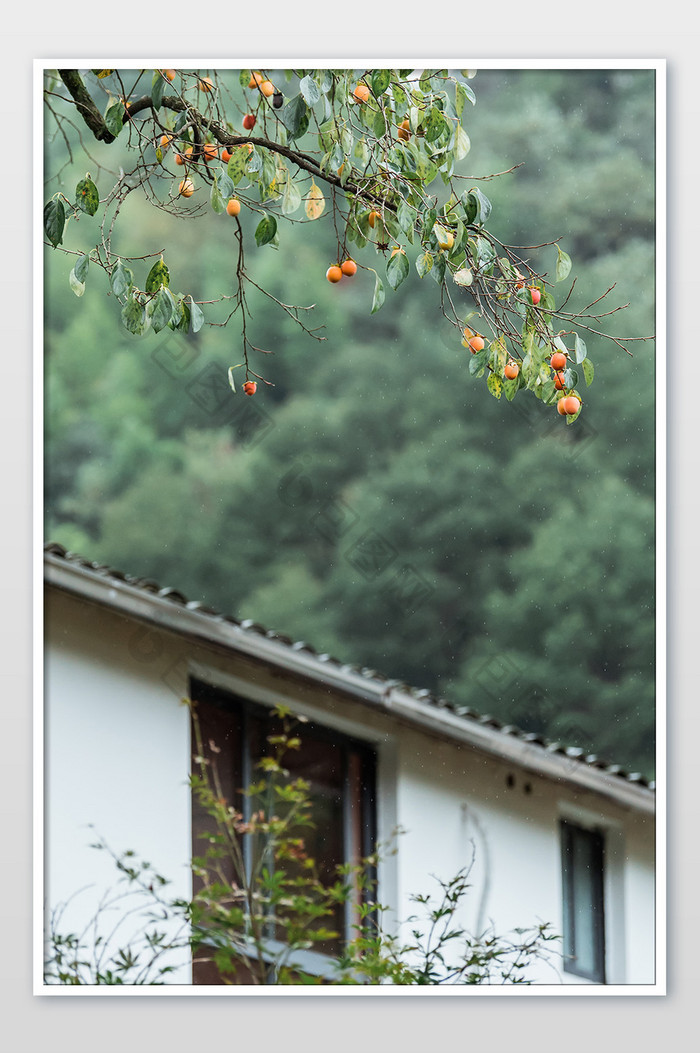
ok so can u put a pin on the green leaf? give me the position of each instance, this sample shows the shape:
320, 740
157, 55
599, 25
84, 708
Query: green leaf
361, 151
255, 161
76, 285
580, 349
295, 116
587, 367
397, 269
498, 354
265, 230
505, 267
81, 267
291, 199
381, 78
435, 125
462, 144
379, 294
157, 88
510, 388
215, 198
424, 264
238, 163
439, 266
157, 276
309, 89
196, 315
181, 317
477, 362
226, 187
463, 93
327, 135
337, 157
114, 115
379, 125
428, 222
406, 217
400, 99
548, 392
86, 196
120, 279
355, 235
477, 206
134, 316
424, 82
54, 221
528, 340
160, 309
425, 169
324, 77
406, 160
392, 225
269, 170
563, 265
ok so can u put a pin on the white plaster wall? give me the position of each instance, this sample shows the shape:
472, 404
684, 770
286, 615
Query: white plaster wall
639, 886
455, 805
116, 756
457, 802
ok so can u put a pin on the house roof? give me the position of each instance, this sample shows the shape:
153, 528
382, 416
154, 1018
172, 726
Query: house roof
170, 608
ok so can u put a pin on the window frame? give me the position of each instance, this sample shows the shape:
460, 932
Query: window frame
569, 830
243, 710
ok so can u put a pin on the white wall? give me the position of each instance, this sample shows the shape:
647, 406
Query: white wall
458, 802
117, 755
639, 889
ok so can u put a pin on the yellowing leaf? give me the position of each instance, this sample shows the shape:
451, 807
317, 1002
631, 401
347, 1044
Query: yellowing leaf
495, 385
498, 355
315, 202
463, 276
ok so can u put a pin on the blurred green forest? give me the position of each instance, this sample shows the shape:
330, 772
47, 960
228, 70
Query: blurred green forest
377, 502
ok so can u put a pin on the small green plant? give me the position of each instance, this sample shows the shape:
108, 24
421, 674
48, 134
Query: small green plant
135, 936
259, 903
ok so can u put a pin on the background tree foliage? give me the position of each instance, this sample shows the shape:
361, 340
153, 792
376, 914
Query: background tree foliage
374, 501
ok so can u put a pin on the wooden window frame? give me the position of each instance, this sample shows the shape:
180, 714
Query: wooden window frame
243, 711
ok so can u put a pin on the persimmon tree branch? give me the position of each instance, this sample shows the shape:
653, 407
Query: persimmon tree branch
364, 152
86, 107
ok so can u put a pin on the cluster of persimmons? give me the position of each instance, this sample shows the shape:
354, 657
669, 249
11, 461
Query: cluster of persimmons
568, 405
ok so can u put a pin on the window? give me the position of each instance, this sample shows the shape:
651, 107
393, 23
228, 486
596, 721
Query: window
341, 772
584, 917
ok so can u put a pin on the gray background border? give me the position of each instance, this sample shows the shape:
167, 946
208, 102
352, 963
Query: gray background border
335, 1023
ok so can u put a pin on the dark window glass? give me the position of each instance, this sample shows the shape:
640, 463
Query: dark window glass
584, 917
341, 773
